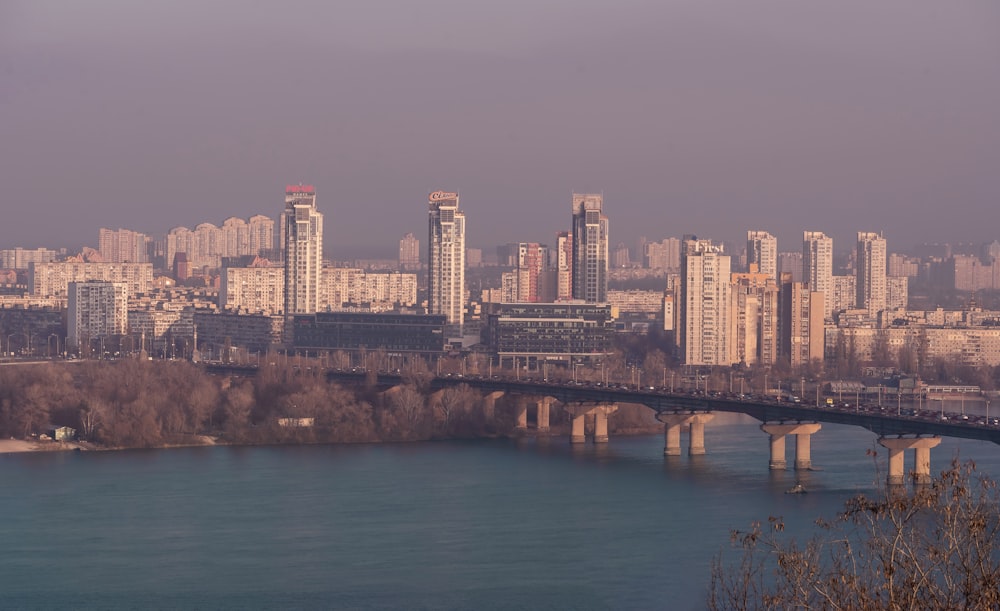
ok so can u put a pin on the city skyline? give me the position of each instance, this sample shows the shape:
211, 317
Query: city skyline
690, 118
390, 248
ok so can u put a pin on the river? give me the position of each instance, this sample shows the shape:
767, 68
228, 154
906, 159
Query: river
489, 524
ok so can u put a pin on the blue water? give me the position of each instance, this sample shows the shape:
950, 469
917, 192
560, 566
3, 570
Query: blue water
500, 524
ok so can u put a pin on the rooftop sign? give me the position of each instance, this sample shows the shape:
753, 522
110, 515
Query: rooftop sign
300, 189
438, 196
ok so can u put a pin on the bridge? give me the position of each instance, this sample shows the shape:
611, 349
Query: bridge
898, 430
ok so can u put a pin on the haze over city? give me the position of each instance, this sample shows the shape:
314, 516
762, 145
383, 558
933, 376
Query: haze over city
690, 117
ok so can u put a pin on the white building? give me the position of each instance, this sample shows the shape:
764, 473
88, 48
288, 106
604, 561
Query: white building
255, 290
817, 267
762, 249
871, 272
96, 310
303, 251
705, 304
446, 258
122, 246
53, 279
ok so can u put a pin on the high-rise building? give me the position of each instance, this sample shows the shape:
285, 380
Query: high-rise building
754, 317
253, 290
261, 235
897, 293
446, 258
817, 267
590, 248
762, 249
705, 304
871, 272
801, 322
96, 309
622, 258
409, 252
532, 262
303, 251
122, 246
235, 238
843, 293
21, 258
663, 255
564, 266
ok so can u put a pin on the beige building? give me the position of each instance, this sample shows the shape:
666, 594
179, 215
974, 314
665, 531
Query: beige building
564, 266
261, 234
409, 252
817, 269
52, 279
123, 246
95, 309
346, 288
446, 259
801, 322
665, 254
754, 317
762, 251
870, 269
303, 251
256, 290
897, 292
705, 304
151, 330
844, 292
636, 301
22, 258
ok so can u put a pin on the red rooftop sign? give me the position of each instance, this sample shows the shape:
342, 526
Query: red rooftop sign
300, 189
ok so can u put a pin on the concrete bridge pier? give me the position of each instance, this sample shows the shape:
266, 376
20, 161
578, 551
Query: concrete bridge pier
922, 463
601, 411
543, 406
577, 435
672, 424
521, 413
803, 433
490, 404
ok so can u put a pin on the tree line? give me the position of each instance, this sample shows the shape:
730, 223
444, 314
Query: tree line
135, 403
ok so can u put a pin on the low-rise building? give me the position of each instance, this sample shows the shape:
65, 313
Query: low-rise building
534, 332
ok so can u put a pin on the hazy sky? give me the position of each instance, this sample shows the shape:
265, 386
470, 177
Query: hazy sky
692, 116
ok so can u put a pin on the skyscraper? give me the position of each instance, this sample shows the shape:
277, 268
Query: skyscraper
705, 304
446, 258
303, 227
871, 268
590, 248
817, 267
762, 249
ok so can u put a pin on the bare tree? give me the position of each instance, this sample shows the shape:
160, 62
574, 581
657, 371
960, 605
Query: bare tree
416, 373
936, 549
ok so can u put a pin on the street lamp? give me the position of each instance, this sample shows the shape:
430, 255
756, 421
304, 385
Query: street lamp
49, 344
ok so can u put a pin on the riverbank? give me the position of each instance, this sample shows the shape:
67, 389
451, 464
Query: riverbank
16, 446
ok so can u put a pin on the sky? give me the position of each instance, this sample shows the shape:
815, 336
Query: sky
709, 117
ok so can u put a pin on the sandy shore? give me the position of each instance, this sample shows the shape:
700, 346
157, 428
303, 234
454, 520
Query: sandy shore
10, 446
